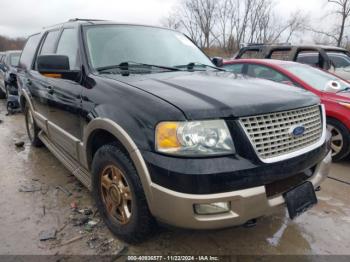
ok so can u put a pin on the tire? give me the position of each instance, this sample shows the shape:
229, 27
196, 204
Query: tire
32, 128
117, 190
340, 139
2, 93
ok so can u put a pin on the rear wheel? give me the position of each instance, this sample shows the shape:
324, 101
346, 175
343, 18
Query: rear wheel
32, 129
340, 142
119, 195
2, 93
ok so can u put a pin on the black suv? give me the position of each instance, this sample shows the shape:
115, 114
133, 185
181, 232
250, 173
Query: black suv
144, 119
8, 70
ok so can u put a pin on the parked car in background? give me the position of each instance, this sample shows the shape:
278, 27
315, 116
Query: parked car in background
333, 91
8, 72
333, 59
1, 57
143, 118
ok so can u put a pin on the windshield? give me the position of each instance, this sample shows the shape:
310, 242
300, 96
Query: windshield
14, 59
110, 45
339, 60
316, 78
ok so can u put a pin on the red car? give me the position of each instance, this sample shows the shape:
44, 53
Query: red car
333, 91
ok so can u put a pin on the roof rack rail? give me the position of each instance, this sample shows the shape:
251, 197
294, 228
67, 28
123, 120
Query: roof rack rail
84, 19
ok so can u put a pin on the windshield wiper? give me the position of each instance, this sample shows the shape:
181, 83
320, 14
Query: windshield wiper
344, 90
192, 65
126, 66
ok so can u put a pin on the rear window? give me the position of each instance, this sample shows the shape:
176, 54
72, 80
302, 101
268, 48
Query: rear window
29, 51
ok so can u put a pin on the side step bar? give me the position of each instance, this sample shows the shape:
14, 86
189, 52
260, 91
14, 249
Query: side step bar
72, 165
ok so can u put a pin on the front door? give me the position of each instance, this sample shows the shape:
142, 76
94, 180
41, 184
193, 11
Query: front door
65, 98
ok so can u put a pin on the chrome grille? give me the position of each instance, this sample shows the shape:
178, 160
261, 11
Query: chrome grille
270, 133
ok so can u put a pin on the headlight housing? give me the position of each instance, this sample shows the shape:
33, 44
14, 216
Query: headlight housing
194, 138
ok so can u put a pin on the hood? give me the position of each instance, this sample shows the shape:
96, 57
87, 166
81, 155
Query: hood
205, 95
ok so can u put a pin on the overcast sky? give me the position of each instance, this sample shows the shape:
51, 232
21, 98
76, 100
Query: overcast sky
24, 17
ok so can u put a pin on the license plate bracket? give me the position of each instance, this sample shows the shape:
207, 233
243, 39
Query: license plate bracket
300, 199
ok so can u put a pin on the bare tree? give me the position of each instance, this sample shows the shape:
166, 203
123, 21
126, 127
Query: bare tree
226, 24
342, 9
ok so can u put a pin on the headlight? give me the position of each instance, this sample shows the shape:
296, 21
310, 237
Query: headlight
195, 138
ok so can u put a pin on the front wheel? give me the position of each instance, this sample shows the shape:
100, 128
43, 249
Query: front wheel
119, 195
340, 141
32, 129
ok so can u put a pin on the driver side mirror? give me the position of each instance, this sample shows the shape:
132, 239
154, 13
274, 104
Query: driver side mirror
218, 61
56, 66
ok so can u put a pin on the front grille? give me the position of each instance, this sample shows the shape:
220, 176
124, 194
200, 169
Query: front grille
271, 135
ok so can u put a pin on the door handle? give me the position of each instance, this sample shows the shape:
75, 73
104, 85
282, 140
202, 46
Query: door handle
50, 90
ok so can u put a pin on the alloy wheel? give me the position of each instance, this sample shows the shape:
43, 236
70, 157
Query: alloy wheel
116, 194
337, 140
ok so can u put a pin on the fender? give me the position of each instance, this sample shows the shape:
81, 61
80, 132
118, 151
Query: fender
124, 138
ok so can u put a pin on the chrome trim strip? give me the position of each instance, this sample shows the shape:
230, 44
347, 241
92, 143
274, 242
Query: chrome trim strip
298, 152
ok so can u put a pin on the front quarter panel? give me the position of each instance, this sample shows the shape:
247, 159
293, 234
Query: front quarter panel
135, 111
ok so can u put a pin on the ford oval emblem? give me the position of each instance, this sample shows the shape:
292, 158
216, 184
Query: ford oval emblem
297, 131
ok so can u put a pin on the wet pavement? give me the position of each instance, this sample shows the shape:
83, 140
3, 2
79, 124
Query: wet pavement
27, 216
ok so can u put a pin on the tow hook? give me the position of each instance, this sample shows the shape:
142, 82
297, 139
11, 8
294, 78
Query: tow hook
250, 223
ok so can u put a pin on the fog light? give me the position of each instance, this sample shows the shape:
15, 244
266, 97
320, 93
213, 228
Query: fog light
212, 208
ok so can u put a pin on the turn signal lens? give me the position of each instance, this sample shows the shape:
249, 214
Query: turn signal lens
166, 137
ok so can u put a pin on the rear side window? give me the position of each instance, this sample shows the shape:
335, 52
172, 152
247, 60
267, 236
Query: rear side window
28, 52
280, 55
340, 60
235, 68
68, 46
252, 54
310, 58
49, 46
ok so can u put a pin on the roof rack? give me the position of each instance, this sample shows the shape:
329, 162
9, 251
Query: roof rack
264, 44
84, 20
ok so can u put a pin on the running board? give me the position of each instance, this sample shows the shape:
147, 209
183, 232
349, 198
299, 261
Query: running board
72, 165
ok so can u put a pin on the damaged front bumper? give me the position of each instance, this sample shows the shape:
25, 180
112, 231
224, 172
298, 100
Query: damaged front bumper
177, 208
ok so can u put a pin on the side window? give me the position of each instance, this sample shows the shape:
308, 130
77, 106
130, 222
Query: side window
280, 54
235, 68
68, 46
340, 61
49, 44
310, 58
264, 72
251, 54
29, 51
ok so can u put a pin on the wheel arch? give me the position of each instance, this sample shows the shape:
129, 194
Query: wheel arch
112, 132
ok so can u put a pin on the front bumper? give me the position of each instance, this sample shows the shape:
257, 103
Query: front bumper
176, 208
